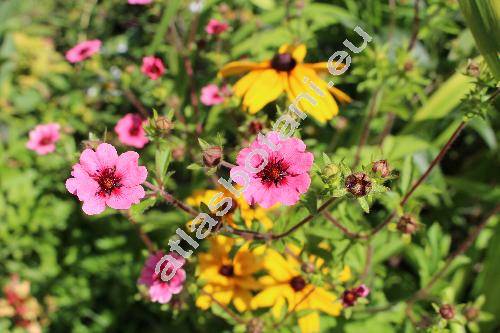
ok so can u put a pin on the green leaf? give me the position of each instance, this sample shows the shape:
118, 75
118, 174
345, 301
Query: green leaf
446, 98
138, 209
162, 161
310, 201
364, 204
483, 19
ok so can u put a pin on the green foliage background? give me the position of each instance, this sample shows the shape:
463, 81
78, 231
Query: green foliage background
90, 265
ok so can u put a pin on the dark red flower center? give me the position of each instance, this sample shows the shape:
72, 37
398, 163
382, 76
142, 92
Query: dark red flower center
283, 62
108, 181
349, 297
157, 277
136, 126
154, 69
84, 50
46, 140
226, 270
298, 283
274, 173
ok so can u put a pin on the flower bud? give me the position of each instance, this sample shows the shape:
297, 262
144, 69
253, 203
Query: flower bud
163, 124
473, 69
381, 168
358, 184
255, 325
255, 127
341, 123
447, 311
330, 170
408, 65
212, 156
178, 153
91, 144
471, 313
307, 267
407, 224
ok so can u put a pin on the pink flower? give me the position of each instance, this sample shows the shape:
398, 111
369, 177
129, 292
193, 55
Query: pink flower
350, 296
104, 178
282, 179
152, 67
212, 95
130, 130
159, 290
362, 291
43, 138
83, 50
215, 27
139, 2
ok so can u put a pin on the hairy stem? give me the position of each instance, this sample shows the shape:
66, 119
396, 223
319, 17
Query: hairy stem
144, 237
171, 199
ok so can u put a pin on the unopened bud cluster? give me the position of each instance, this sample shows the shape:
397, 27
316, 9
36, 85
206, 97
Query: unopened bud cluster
407, 224
212, 156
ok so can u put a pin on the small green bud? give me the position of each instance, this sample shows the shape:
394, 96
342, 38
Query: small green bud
330, 171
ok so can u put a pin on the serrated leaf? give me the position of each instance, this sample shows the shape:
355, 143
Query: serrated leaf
364, 204
203, 144
138, 209
310, 201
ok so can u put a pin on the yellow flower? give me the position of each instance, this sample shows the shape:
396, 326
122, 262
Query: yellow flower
285, 72
228, 279
248, 213
286, 283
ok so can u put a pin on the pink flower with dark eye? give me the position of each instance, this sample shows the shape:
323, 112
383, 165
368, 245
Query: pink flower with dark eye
159, 290
83, 50
152, 67
139, 2
362, 291
102, 178
215, 27
212, 95
349, 297
43, 138
130, 130
277, 170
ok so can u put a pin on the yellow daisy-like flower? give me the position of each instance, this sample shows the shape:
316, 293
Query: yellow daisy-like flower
228, 279
286, 283
248, 213
285, 72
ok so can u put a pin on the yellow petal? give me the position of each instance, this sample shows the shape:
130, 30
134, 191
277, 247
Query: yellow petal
325, 107
341, 96
266, 88
325, 301
239, 67
345, 275
277, 308
241, 300
243, 84
322, 67
203, 302
223, 296
278, 267
267, 297
309, 323
298, 52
